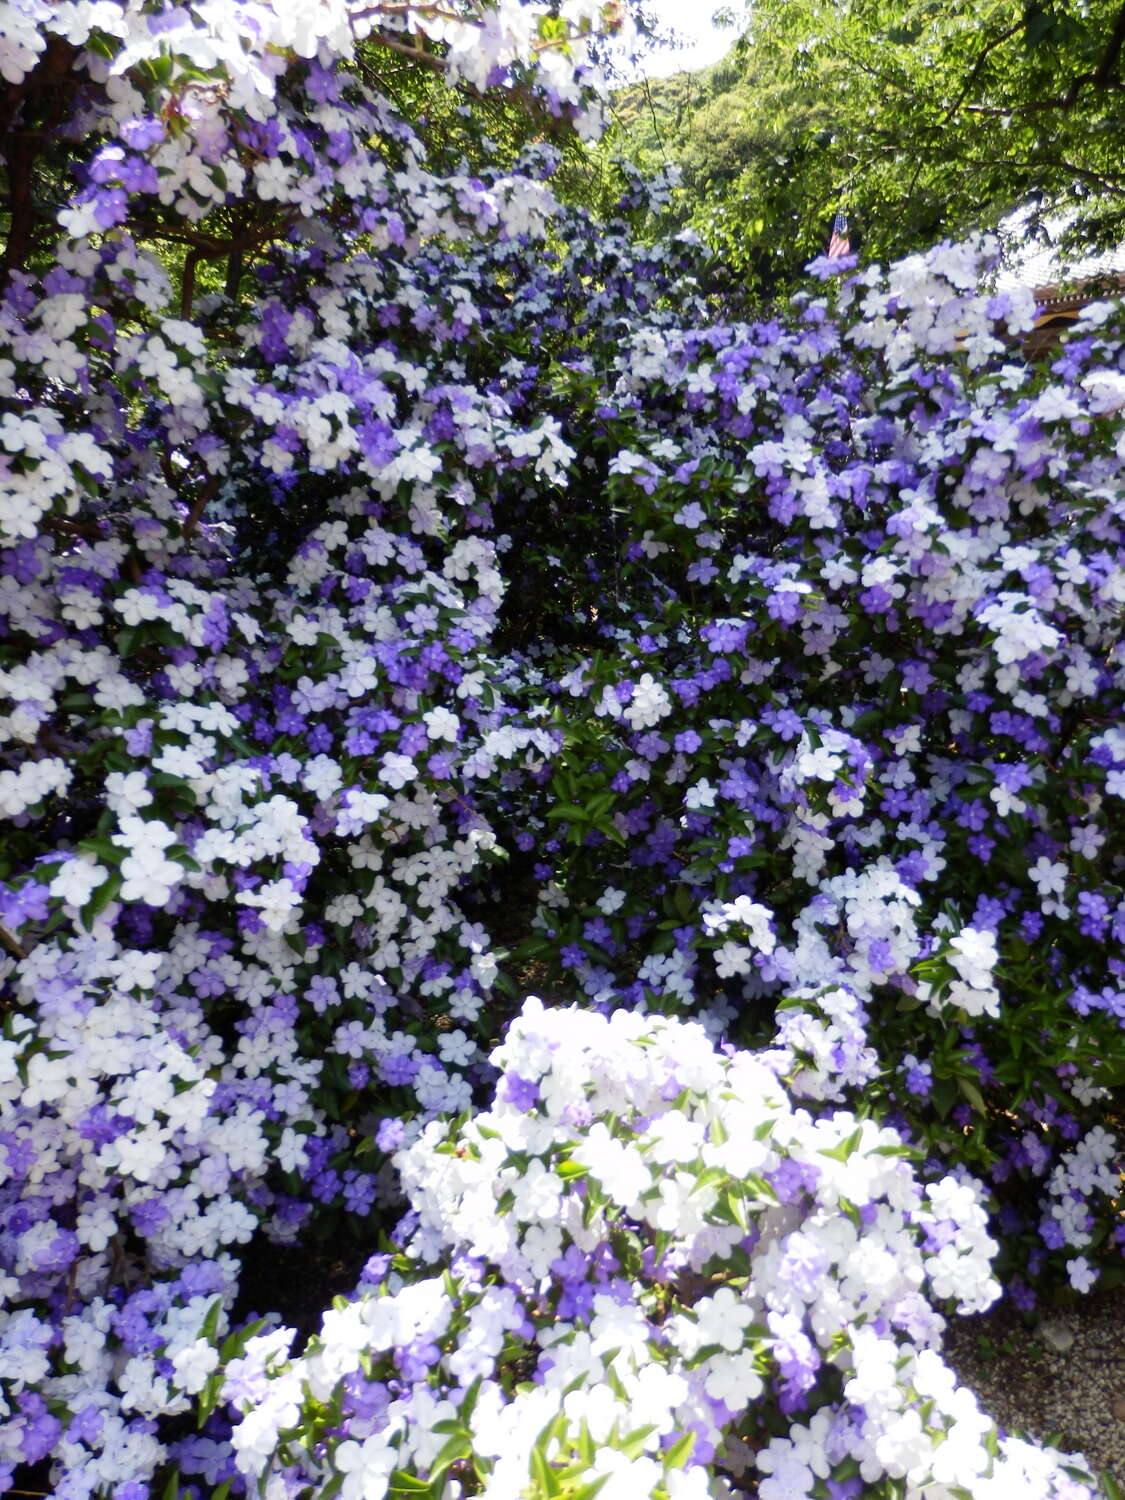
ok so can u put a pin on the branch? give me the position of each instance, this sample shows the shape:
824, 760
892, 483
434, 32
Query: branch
408, 7
989, 47
206, 247
430, 59
19, 157
1100, 77
234, 275
1063, 102
415, 54
51, 68
177, 236
1112, 52
204, 498
1107, 184
187, 285
22, 148
13, 945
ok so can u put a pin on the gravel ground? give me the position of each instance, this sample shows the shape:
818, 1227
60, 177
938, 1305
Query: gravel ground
1063, 1380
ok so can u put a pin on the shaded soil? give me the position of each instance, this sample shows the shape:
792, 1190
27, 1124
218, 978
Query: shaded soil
297, 1281
1062, 1381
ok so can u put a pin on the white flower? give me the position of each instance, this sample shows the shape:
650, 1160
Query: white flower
733, 1379
194, 1364
721, 1320
702, 794
610, 900
1086, 840
137, 970
457, 1049
147, 876
619, 1167
648, 704
1082, 1274
397, 770
732, 959
366, 1467
1049, 876
441, 724
276, 902
322, 776
974, 956
78, 879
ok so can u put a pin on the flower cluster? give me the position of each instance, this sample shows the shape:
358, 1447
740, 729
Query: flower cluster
857, 676
626, 1273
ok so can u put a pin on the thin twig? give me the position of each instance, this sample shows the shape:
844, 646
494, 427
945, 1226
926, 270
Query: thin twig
11, 942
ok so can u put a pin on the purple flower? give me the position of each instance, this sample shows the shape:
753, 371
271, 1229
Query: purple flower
521, 1093
389, 1135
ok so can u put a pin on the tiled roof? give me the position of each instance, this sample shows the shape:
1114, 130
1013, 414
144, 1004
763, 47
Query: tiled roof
1044, 267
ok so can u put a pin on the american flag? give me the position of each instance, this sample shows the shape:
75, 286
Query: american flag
839, 244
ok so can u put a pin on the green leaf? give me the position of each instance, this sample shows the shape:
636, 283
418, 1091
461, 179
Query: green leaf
568, 1170
402, 1483
1108, 1483
457, 1447
760, 1187
972, 1093
585, 1444
235, 1342
680, 1451
101, 848
633, 1443
588, 1491
944, 1096
600, 803
543, 1476
845, 1149
569, 810
468, 1405
105, 893
211, 1321
735, 1206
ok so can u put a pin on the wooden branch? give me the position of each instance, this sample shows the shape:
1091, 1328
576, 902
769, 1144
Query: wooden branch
415, 54
1100, 77
405, 8
986, 50
234, 275
1062, 102
187, 285
177, 235
12, 943
51, 68
1099, 179
203, 499
20, 156
21, 148
1112, 53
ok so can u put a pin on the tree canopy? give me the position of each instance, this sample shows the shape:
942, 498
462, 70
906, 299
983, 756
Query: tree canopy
920, 120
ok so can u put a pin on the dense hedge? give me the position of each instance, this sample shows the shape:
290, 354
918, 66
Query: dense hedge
460, 597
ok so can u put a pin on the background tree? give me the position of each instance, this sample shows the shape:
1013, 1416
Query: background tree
923, 120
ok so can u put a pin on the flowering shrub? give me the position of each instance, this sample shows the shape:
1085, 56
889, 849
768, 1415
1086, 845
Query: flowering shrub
648, 1258
853, 717
395, 565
